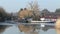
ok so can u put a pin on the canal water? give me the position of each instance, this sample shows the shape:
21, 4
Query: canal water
26, 29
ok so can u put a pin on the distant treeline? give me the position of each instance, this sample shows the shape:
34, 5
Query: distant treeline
7, 16
4, 15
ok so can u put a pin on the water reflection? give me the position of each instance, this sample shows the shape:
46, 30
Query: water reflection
26, 29
46, 28
2, 28
33, 29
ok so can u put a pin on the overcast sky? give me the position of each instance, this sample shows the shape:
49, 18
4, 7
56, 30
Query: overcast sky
15, 5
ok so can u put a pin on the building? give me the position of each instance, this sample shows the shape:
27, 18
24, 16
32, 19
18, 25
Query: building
24, 13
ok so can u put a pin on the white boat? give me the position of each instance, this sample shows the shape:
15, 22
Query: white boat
43, 20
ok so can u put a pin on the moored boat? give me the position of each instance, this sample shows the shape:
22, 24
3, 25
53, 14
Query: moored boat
43, 20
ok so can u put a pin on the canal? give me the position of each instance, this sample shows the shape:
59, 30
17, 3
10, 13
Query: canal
26, 29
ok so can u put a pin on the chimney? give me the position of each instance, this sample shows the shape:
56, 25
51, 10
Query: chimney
25, 8
21, 9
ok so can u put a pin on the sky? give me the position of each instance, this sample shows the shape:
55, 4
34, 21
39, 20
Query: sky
16, 5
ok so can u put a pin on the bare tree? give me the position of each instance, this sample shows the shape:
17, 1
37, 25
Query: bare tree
35, 9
